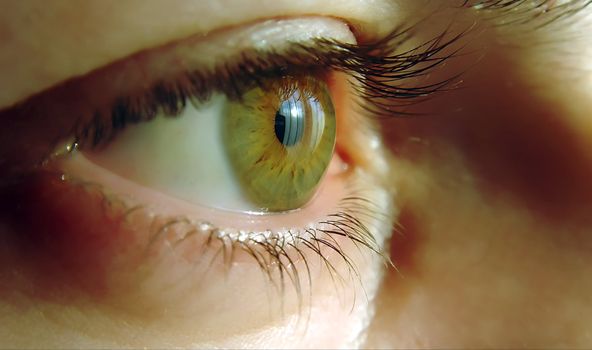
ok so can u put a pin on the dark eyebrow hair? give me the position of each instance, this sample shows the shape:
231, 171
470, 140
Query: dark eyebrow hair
537, 13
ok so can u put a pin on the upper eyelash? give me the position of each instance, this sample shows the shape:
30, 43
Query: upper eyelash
389, 79
378, 66
382, 70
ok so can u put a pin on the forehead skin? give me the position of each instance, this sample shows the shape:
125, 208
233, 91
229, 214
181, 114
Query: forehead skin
41, 45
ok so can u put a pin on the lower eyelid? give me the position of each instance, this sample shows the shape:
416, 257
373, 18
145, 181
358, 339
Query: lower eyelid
331, 190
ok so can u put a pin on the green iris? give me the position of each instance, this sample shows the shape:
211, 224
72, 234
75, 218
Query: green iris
280, 141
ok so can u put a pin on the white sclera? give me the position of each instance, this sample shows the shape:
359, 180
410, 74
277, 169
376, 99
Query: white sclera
183, 156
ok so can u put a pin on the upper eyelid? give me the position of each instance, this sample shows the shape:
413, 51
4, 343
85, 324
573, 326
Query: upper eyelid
75, 51
167, 93
12, 91
383, 86
174, 58
52, 116
167, 65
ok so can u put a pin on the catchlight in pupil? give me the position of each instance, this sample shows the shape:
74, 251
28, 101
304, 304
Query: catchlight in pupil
280, 140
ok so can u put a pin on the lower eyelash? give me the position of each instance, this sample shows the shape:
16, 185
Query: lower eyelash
282, 255
278, 252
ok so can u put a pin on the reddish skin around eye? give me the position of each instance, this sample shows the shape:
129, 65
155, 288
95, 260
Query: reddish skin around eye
64, 247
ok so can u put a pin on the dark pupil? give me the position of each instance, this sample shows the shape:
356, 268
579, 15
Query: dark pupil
289, 121
280, 126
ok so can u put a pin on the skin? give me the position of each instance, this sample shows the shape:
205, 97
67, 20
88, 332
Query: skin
492, 246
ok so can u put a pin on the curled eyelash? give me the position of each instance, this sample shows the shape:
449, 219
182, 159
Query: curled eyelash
386, 77
389, 79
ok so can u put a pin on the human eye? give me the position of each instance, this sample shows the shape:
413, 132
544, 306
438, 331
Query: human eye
107, 193
131, 217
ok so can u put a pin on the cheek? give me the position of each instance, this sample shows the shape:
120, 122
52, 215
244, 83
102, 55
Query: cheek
514, 141
495, 224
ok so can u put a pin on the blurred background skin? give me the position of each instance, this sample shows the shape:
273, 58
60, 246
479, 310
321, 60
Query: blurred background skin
493, 245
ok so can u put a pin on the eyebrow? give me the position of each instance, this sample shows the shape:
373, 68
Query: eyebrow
533, 12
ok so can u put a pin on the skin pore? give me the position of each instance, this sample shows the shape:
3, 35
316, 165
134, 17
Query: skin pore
492, 242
